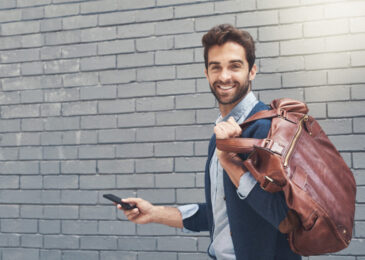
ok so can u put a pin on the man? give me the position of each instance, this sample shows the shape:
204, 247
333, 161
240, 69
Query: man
243, 220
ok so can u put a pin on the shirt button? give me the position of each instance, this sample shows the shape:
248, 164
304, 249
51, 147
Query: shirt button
230, 233
224, 197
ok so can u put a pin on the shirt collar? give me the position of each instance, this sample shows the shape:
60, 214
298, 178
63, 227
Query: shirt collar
241, 110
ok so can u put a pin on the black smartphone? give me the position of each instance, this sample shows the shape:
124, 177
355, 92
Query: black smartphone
118, 200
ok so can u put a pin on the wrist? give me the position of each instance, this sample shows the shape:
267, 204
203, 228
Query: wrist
156, 216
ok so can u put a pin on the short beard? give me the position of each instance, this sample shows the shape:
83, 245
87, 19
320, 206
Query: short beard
242, 91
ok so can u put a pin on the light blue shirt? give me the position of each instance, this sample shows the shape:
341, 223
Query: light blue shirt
222, 245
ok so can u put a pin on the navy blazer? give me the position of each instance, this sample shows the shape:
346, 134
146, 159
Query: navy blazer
253, 221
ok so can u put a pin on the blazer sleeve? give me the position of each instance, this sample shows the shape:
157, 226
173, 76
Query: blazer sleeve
199, 221
271, 206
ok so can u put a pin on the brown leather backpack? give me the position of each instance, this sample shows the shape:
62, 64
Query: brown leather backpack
298, 158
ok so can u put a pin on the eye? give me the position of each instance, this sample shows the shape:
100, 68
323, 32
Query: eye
236, 65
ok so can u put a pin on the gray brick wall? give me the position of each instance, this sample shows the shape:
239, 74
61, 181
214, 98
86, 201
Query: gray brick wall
109, 96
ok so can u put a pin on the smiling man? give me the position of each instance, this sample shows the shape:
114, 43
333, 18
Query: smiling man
244, 221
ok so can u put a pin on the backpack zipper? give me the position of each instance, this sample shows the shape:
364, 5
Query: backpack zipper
297, 134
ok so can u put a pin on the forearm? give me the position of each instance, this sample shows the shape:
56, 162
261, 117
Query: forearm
169, 216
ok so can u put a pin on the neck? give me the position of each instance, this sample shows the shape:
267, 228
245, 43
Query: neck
225, 109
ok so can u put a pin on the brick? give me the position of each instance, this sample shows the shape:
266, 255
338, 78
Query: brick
49, 167
193, 256
79, 227
9, 240
19, 56
78, 197
61, 242
32, 68
156, 73
282, 32
157, 255
154, 165
50, 25
357, 58
79, 137
60, 152
234, 6
190, 71
194, 10
135, 181
175, 87
61, 182
31, 41
115, 166
358, 159
61, 10
345, 42
31, 182
357, 24
9, 70
51, 196
98, 63
81, 255
206, 23
135, 30
97, 182
177, 244
190, 196
175, 180
8, 4
136, 89
116, 106
281, 64
20, 28
268, 96
98, 92
98, 122
155, 43
32, 241
353, 75
174, 149
61, 66
117, 76
50, 109
33, 13
8, 182
62, 37
78, 50
188, 40
115, 255
80, 79
327, 93
77, 22
20, 253
95, 7
359, 125
134, 150
50, 255
9, 97
158, 195
10, 15
155, 14
194, 132
99, 151
10, 42
79, 108
117, 18
117, 228
9, 211
50, 53
267, 49
346, 109
135, 60
61, 123
175, 27
31, 211
115, 47
19, 226
323, 28
136, 119
207, 115
267, 81
49, 226
116, 136
301, 14
155, 134
20, 167
304, 78
345, 9
60, 212
189, 164
136, 244
174, 57
348, 142
98, 34
175, 117
302, 46
336, 126
97, 212
257, 18
154, 103
9, 125
324, 61
266, 4
30, 153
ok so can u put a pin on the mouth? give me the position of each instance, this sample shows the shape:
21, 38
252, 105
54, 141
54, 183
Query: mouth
227, 87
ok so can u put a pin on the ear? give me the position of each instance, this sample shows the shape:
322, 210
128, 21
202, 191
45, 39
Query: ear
252, 73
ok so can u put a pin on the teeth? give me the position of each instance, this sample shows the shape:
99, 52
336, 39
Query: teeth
225, 88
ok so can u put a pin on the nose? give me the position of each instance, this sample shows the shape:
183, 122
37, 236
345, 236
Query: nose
225, 75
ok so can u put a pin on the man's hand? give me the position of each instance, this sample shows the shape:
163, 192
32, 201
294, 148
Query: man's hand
148, 213
230, 162
143, 214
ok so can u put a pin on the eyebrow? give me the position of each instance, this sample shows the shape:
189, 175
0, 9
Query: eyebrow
217, 63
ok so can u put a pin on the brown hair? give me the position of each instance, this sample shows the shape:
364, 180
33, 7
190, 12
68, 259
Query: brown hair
223, 33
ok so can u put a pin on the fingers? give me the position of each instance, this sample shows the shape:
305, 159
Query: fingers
227, 129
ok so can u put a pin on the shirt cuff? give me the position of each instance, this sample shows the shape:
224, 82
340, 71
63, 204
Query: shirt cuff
247, 182
186, 212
